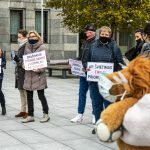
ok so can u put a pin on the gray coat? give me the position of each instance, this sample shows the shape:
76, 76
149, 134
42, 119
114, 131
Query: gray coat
35, 80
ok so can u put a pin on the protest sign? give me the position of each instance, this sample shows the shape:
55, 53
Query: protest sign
95, 69
35, 60
76, 67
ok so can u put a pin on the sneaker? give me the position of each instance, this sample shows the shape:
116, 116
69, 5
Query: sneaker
28, 119
78, 118
45, 118
93, 119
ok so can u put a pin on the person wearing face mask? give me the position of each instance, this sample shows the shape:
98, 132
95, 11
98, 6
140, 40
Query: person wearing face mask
35, 80
2, 65
136, 50
19, 72
103, 50
146, 46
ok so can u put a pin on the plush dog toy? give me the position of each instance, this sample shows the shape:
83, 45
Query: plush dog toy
128, 120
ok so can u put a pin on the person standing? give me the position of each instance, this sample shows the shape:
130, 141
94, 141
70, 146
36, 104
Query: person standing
35, 80
103, 50
19, 72
90, 30
2, 65
146, 45
135, 51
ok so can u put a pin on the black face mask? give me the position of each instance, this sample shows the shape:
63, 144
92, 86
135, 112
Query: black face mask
138, 41
104, 39
32, 41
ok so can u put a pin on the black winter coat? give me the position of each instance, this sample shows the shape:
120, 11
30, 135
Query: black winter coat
3, 64
19, 71
100, 52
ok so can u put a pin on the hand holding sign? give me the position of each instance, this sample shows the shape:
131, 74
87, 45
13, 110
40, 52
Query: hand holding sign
35, 61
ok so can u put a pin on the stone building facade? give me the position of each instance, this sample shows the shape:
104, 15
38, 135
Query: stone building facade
26, 14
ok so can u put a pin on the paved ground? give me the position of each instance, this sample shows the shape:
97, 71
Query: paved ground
59, 133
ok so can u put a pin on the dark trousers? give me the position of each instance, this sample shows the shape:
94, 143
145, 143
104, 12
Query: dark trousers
99, 103
83, 88
2, 98
42, 98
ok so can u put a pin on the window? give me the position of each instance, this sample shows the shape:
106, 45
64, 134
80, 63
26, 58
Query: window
16, 23
123, 38
45, 24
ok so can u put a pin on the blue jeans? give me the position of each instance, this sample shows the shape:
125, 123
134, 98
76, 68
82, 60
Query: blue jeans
99, 103
83, 88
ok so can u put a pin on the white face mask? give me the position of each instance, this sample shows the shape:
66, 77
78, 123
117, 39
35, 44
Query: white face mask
20, 42
105, 85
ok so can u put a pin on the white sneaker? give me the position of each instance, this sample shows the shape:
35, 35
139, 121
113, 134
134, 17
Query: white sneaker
93, 119
78, 118
28, 119
45, 118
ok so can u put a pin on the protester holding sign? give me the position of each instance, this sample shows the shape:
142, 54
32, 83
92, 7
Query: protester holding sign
19, 72
35, 79
90, 30
104, 50
2, 65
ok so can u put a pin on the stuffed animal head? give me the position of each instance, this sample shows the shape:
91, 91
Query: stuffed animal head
137, 75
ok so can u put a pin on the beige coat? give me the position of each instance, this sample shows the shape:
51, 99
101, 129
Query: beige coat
35, 80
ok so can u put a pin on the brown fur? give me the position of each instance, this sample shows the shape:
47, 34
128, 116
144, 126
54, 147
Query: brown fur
138, 76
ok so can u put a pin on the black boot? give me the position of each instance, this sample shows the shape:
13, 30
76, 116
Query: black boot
93, 131
3, 110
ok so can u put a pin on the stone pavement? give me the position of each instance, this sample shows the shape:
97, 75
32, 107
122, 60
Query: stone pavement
59, 133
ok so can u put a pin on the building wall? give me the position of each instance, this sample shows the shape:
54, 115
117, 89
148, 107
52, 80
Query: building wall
62, 44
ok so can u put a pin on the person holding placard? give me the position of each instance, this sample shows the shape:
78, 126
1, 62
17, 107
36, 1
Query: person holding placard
35, 79
104, 50
89, 31
19, 72
2, 65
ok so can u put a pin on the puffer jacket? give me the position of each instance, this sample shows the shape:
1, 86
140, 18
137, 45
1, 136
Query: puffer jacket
35, 80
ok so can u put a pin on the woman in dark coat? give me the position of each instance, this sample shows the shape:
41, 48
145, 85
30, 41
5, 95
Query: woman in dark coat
2, 65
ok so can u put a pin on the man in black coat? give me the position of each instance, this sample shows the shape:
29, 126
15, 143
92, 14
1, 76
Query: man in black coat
90, 30
19, 72
135, 51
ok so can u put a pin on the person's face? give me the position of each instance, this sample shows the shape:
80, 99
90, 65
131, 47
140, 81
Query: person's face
33, 36
21, 37
104, 33
138, 36
89, 34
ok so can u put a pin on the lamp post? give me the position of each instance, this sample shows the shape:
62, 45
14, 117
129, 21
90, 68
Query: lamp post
42, 20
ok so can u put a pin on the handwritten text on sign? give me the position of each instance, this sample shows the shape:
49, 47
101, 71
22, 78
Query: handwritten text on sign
76, 67
35, 60
98, 68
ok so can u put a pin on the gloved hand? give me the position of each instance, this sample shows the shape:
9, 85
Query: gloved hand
16, 58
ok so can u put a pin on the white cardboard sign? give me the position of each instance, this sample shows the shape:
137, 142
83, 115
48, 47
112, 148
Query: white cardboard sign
76, 67
35, 60
98, 68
